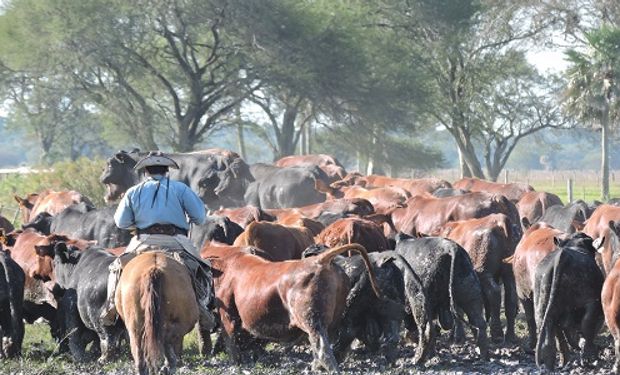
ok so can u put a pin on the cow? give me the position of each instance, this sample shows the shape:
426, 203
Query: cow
536, 243
83, 279
282, 301
329, 164
354, 230
200, 170
12, 280
52, 202
449, 192
376, 322
512, 191
383, 199
488, 241
280, 242
449, 281
38, 298
295, 220
245, 215
82, 222
610, 295
569, 219
6, 225
567, 297
282, 187
413, 186
216, 228
343, 207
598, 223
427, 214
533, 204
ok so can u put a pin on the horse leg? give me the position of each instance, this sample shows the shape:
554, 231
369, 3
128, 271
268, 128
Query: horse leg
171, 359
136, 350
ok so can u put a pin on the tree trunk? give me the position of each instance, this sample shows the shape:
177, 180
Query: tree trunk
286, 140
465, 172
308, 138
605, 155
240, 138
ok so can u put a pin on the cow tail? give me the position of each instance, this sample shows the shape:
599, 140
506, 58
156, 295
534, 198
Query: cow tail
554, 286
150, 303
451, 283
326, 257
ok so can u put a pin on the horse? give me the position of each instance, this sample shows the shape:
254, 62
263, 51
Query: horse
156, 300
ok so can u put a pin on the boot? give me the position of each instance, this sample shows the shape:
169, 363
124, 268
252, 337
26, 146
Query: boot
203, 287
109, 314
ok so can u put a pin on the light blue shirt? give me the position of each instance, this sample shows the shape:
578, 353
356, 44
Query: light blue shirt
138, 209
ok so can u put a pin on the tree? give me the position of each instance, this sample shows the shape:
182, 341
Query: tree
593, 87
456, 44
165, 66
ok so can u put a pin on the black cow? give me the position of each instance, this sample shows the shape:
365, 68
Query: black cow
201, 171
449, 282
83, 276
569, 218
283, 187
217, 228
11, 306
567, 296
76, 221
376, 322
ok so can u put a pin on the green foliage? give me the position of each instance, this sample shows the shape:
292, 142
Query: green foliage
81, 175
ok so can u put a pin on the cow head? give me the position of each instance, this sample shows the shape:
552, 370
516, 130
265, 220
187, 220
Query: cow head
353, 178
233, 181
26, 204
44, 249
41, 223
577, 241
119, 174
65, 258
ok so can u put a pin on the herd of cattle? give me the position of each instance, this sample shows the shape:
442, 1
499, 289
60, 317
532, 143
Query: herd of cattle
303, 251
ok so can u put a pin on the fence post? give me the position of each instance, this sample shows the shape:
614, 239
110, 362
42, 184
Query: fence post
505, 176
569, 189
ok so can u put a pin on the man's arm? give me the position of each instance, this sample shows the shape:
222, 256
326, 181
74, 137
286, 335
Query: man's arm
194, 207
124, 216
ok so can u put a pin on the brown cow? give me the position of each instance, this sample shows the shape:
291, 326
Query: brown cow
245, 215
536, 243
50, 201
488, 241
280, 242
344, 206
354, 230
534, 204
282, 301
610, 295
598, 224
427, 214
296, 220
383, 199
413, 186
512, 191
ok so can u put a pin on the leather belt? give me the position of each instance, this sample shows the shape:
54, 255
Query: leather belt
166, 229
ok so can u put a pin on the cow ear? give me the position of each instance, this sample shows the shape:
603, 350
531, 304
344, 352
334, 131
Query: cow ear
525, 223
557, 241
597, 244
62, 252
121, 156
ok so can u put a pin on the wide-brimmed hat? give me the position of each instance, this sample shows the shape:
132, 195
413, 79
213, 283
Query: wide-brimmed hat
156, 158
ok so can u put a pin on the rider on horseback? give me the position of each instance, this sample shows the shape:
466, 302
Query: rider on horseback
158, 210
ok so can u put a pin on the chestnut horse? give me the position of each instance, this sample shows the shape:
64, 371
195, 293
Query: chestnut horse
156, 300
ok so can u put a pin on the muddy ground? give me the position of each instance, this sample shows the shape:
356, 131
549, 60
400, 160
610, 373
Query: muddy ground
38, 359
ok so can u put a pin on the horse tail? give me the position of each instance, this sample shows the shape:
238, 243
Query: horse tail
152, 345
